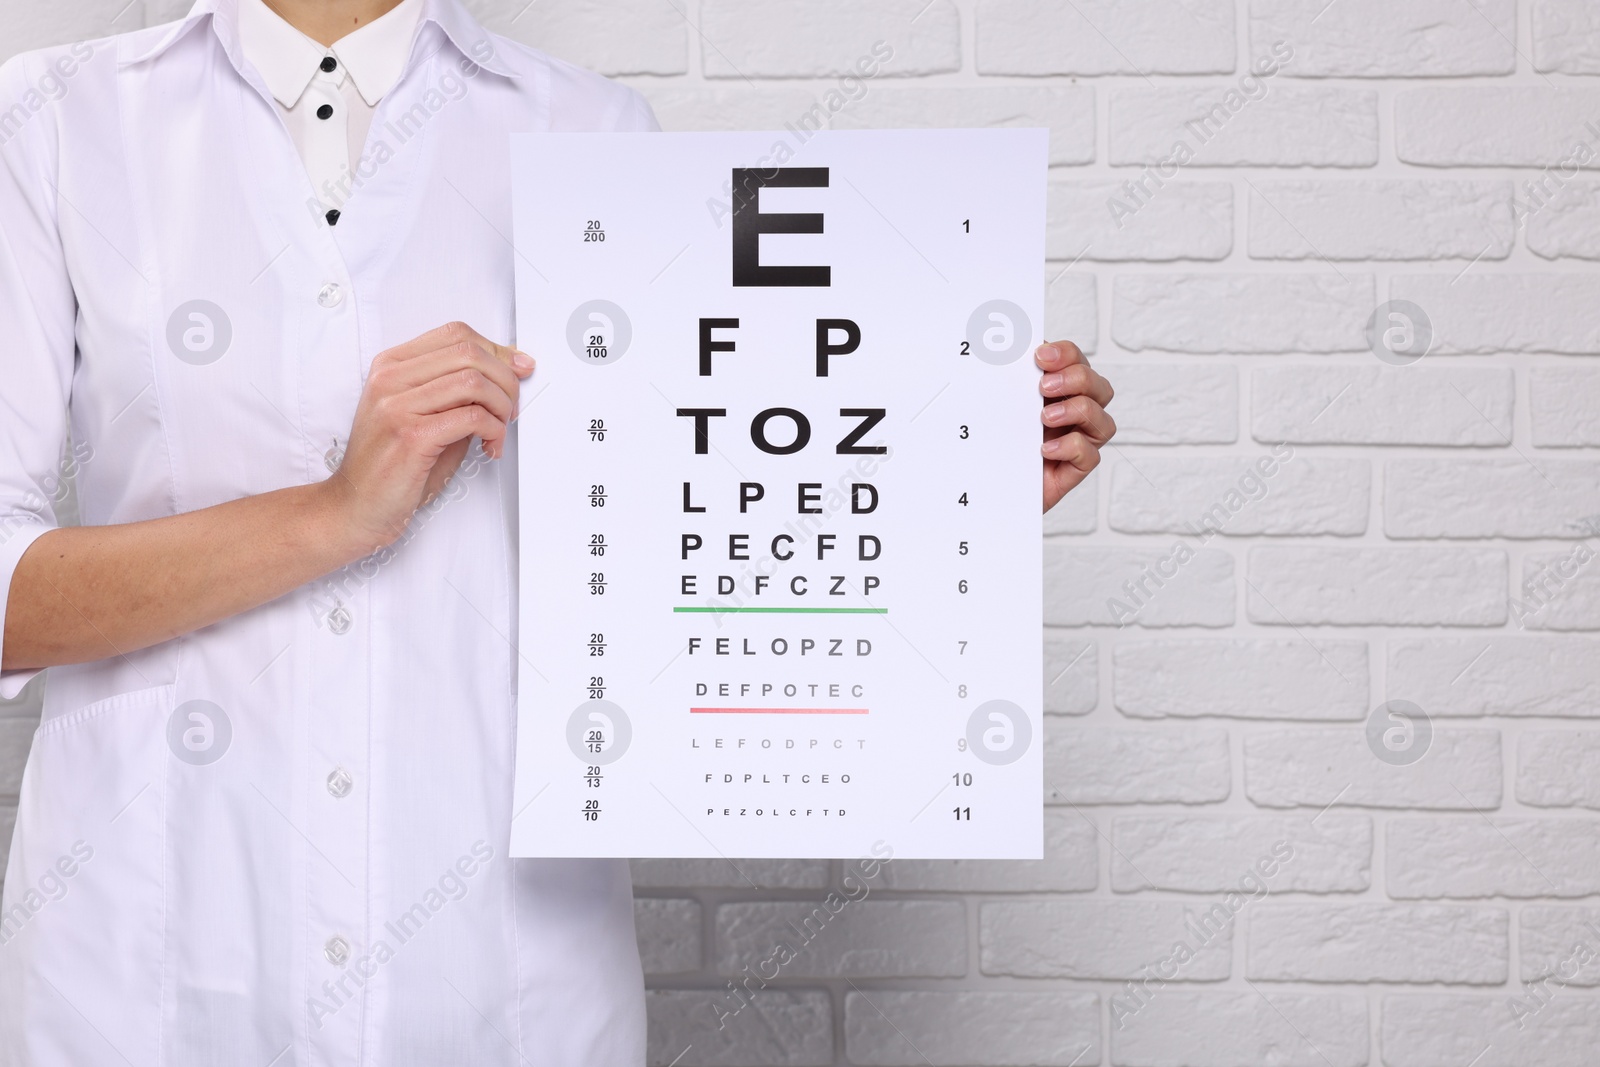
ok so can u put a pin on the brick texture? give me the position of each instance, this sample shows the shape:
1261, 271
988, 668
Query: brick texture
1065, 37
828, 38
1315, 768
1279, 126
1563, 401
1554, 676
1535, 125
1566, 36
1098, 220
1241, 313
1383, 405
1470, 856
1236, 497
1169, 404
1243, 678
1288, 1030
580, 32
1393, 586
1562, 219
1423, 1029
866, 939
1097, 939
1104, 765
1377, 39
1478, 314
1219, 853
890, 1029
1379, 943
669, 934
1381, 220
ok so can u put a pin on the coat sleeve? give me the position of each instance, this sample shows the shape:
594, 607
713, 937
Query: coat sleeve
38, 316
638, 116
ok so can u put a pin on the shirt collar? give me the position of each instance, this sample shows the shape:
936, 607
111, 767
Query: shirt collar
470, 39
373, 56
376, 54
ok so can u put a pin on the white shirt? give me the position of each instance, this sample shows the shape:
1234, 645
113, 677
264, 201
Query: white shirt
327, 95
282, 839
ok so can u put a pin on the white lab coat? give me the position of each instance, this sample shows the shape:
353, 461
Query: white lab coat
280, 840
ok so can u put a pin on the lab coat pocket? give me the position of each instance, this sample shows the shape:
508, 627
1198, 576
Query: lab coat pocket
82, 926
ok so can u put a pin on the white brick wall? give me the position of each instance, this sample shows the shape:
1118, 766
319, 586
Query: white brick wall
1284, 126
1236, 186
1095, 938
1483, 314
1356, 404
1380, 38
1284, 1029
1420, 1030
1532, 124
1568, 224
866, 939
1379, 943
1081, 37
1381, 220
1566, 36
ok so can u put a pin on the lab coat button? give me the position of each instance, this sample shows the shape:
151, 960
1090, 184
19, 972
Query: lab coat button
340, 783
340, 620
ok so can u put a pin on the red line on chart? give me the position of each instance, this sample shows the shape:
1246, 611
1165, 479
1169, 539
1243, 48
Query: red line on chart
777, 711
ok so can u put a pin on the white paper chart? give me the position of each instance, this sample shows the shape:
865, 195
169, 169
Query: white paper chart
780, 557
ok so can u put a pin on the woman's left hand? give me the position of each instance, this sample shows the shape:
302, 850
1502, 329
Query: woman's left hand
1075, 421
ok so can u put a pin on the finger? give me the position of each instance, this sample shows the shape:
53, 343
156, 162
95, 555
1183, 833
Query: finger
1077, 380
1058, 355
1082, 413
454, 360
1074, 450
1059, 480
470, 386
454, 333
444, 468
519, 361
458, 424
438, 337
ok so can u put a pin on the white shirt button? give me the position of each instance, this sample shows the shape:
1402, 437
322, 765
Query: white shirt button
340, 783
340, 620
330, 295
333, 457
337, 950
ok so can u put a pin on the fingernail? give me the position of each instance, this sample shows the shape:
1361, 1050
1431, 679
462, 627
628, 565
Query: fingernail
521, 360
1050, 353
1052, 382
1055, 412
1052, 446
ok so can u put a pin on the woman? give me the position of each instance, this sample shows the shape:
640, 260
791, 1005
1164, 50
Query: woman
264, 819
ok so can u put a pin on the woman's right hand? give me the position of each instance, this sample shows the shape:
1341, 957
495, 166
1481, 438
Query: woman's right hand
423, 403
87, 593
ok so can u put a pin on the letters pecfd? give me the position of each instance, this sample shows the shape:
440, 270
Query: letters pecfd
779, 488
